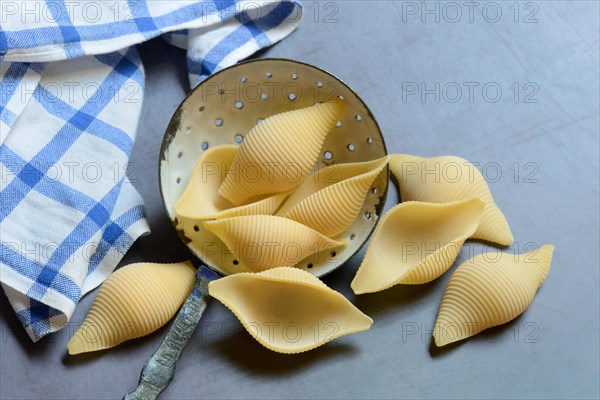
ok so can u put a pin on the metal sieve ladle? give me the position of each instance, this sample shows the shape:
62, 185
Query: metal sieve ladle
221, 110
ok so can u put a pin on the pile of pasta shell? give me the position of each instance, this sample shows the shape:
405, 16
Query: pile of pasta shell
271, 190
265, 197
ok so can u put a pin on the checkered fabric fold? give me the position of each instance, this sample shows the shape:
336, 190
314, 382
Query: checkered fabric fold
71, 93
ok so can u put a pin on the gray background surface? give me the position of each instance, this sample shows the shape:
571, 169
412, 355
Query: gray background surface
545, 151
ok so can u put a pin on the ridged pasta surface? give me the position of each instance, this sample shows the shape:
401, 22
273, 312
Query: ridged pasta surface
134, 301
201, 199
279, 153
293, 275
261, 242
288, 310
449, 178
330, 200
488, 291
416, 243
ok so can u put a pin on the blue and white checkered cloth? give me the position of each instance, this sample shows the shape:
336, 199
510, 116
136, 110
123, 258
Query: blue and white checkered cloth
71, 92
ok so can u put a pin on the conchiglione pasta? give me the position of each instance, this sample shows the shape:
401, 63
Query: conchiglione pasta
489, 290
134, 301
201, 200
416, 243
279, 153
261, 242
329, 200
448, 178
288, 310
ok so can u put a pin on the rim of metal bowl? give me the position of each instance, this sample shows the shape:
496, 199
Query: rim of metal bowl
174, 124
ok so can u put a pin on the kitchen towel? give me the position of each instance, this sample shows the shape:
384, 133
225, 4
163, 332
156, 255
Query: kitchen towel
71, 92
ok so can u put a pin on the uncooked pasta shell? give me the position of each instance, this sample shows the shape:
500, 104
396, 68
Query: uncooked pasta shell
416, 243
201, 200
288, 310
330, 199
449, 178
134, 301
261, 242
489, 290
279, 152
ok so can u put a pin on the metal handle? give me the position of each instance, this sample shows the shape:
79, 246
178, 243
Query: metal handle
159, 370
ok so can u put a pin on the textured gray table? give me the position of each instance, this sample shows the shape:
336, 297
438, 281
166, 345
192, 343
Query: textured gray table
537, 142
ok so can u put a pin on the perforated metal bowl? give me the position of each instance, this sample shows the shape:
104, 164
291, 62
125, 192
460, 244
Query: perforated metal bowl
223, 109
